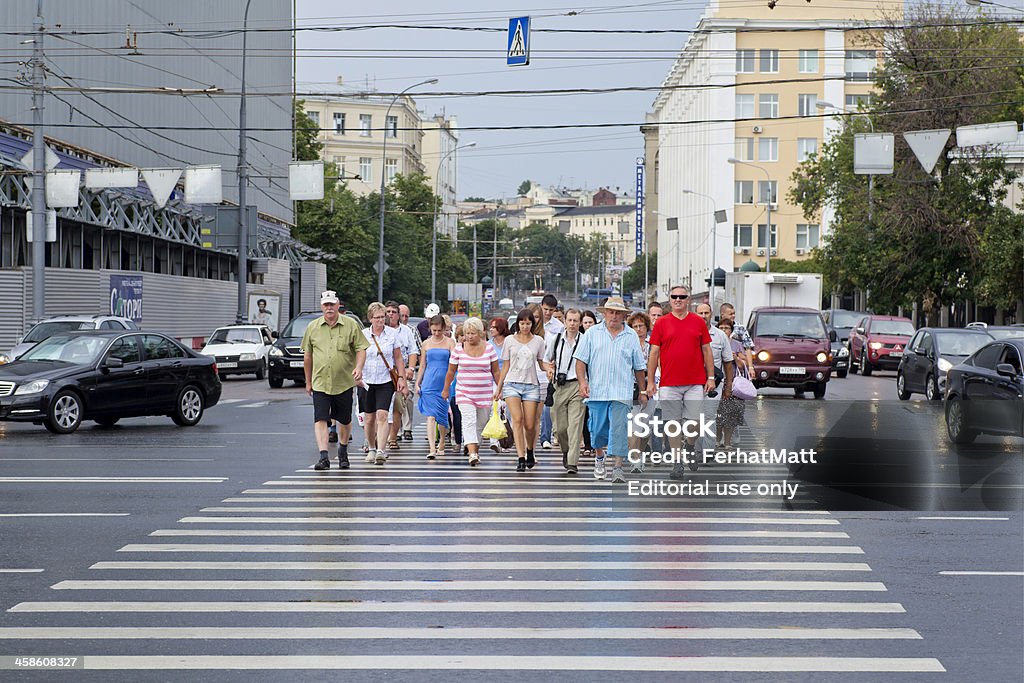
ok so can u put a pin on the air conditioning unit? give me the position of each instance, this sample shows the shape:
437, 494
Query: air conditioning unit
775, 252
746, 250
738, 250
757, 130
801, 252
760, 252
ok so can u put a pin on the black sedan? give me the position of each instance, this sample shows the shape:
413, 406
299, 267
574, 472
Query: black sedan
930, 355
985, 393
104, 376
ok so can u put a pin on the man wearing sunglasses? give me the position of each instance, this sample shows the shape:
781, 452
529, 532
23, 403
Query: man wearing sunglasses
681, 346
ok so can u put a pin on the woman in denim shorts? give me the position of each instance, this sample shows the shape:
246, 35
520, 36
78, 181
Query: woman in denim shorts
522, 355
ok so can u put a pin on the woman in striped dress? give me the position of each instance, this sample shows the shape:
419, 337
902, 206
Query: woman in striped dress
477, 365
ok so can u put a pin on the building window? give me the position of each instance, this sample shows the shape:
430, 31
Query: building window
340, 163
745, 149
805, 147
857, 101
365, 124
767, 190
391, 127
808, 61
762, 238
744, 192
365, 168
744, 106
807, 235
768, 106
339, 123
390, 169
767, 149
769, 61
742, 235
744, 61
807, 105
314, 116
860, 65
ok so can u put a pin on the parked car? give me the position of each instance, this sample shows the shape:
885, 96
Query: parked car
878, 342
285, 355
931, 354
1005, 331
791, 349
44, 329
240, 349
985, 393
106, 375
843, 322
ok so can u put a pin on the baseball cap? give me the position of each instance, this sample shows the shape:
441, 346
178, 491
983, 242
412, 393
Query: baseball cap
329, 297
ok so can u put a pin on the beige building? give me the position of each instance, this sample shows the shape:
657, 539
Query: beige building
750, 80
441, 160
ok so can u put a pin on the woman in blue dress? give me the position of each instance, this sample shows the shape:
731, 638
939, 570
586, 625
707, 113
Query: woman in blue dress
436, 353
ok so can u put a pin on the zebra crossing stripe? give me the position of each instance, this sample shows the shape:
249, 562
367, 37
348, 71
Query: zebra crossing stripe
504, 533
502, 519
502, 565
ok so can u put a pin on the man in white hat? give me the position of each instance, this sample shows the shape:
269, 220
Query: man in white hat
424, 327
608, 362
335, 351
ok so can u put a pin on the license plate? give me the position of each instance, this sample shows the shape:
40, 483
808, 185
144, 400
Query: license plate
895, 354
227, 365
792, 371
295, 364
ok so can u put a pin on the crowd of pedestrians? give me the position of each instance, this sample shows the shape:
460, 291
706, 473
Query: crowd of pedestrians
564, 379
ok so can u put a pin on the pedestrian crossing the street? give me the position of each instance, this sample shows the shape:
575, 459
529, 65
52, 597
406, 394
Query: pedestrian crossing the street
418, 568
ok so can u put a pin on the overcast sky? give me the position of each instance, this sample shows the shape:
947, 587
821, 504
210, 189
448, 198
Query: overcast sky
391, 59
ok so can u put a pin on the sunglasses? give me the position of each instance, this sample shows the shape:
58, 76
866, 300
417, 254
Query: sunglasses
679, 296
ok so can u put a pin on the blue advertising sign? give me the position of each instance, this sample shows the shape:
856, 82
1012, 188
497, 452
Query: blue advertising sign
126, 296
639, 206
518, 41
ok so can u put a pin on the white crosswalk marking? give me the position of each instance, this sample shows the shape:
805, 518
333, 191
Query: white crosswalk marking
439, 567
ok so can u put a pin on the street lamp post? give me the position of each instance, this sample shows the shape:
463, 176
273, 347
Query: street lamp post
768, 251
576, 275
243, 180
714, 242
383, 163
433, 240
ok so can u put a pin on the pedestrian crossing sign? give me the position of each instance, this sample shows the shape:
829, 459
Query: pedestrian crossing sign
518, 41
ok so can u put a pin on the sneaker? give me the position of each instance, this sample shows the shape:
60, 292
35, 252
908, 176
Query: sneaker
407, 435
496, 448
571, 469
343, 463
332, 436
637, 468
430, 456
692, 455
323, 463
546, 444
617, 476
371, 456
382, 457
599, 469
474, 460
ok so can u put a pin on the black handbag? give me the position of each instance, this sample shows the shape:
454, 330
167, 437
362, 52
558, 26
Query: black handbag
549, 400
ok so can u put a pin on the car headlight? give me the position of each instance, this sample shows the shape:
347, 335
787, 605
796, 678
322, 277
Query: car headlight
843, 351
247, 356
32, 387
875, 345
821, 357
763, 356
275, 351
944, 365
4, 358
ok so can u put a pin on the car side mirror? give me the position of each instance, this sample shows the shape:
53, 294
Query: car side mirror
921, 352
859, 330
832, 336
111, 362
1006, 370
274, 335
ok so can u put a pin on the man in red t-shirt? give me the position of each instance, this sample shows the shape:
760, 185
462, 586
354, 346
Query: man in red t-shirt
681, 345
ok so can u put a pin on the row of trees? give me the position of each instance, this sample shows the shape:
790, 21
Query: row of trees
937, 238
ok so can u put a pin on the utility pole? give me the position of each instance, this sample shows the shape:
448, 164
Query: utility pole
243, 180
38, 195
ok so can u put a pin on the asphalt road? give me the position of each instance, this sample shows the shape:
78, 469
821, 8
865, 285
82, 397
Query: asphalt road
417, 570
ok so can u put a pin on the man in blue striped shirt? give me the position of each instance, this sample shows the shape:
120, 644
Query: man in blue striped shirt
608, 361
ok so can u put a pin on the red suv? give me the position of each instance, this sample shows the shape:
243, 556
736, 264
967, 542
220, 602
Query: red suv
791, 349
878, 341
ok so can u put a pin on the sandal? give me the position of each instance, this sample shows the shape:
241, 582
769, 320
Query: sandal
393, 444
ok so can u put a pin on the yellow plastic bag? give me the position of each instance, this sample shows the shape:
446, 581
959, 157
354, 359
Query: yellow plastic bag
495, 427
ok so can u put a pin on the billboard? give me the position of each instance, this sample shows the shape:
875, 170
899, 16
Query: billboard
126, 296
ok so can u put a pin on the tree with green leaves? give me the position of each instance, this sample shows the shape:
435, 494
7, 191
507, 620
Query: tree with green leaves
524, 187
307, 147
935, 238
643, 270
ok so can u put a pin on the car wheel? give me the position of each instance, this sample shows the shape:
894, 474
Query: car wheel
188, 409
276, 382
841, 374
798, 392
819, 389
955, 419
221, 376
65, 413
901, 387
865, 365
931, 389
107, 421
261, 371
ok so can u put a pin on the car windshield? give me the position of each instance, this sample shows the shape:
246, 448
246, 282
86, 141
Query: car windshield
895, 327
230, 335
46, 330
1006, 333
845, 318
796, 325
78, 350
959, 343
297, 327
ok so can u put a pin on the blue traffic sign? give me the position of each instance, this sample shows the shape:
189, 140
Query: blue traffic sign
518, 41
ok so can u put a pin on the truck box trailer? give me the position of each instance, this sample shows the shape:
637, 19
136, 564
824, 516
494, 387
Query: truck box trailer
747, 291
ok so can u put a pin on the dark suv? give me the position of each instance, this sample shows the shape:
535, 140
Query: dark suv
286, 355
843, 322
791, 349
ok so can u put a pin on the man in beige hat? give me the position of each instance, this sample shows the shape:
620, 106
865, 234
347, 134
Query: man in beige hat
608, 361
335, 351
